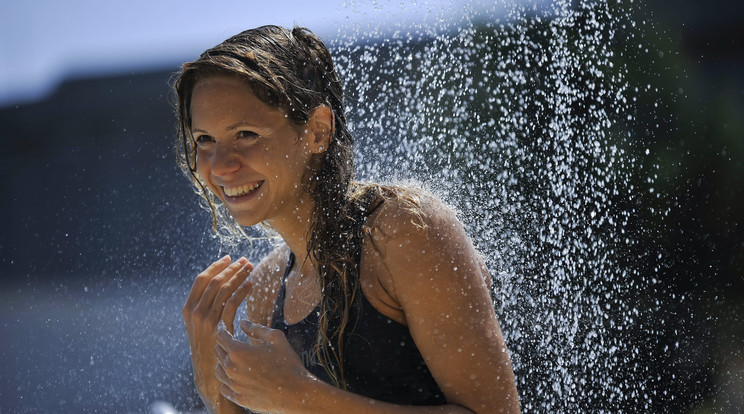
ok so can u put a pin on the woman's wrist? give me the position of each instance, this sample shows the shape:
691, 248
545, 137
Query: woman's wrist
315, 395
220, 405
225, 406
302, 395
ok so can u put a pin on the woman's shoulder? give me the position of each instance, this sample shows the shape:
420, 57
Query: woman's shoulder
419, 247
405, 212
411, 229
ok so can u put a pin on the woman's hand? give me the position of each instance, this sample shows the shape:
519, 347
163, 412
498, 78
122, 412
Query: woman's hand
262, 374
215, 295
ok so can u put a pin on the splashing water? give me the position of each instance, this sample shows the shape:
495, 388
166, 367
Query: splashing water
514, 115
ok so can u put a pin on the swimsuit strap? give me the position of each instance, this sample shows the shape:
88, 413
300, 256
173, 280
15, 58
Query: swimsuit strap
279, 304
357, 239
290, 263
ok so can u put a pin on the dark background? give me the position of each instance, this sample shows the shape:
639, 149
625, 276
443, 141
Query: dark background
97, 224
693, 122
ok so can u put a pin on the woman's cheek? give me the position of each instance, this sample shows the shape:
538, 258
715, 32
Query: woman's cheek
202, 169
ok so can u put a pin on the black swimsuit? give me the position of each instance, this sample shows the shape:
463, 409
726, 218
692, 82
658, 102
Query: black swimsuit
381, 360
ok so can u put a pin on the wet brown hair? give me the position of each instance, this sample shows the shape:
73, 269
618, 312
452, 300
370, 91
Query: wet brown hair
293, 70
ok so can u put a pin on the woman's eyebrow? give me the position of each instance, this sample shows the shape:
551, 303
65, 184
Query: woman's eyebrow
240, 124
230, 128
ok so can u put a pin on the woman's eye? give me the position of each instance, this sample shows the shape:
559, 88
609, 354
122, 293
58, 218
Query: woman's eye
247, 134
203, 139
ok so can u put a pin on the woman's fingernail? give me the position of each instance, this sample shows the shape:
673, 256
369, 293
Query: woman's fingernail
225, 258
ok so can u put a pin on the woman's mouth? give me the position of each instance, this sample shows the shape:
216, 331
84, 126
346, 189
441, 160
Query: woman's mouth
241, 190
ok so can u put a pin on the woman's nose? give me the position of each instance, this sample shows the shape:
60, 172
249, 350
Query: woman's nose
225, 161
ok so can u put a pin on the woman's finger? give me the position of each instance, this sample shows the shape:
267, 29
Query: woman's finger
260, 333
228, 393
200, 283
224, 337
213, 286
232, 304
232, 294
221, 353
221, 374
231, 284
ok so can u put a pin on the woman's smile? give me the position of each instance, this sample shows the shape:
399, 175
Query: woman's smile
234, 192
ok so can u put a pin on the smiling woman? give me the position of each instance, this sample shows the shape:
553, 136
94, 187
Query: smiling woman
376, 301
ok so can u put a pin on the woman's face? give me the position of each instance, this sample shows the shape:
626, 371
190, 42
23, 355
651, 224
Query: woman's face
248, 153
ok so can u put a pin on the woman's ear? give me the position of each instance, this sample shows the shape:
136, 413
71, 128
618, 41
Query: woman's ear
321, 127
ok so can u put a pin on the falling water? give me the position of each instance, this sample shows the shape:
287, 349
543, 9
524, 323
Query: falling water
514, 114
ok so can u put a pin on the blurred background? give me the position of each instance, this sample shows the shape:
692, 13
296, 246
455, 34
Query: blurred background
101, 236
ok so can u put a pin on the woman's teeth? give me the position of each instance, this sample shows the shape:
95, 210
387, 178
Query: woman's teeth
242, 190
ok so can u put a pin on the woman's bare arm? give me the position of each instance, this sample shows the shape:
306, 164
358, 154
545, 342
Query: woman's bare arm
433, 272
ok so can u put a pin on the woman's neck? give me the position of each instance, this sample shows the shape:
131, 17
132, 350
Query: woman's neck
294, 229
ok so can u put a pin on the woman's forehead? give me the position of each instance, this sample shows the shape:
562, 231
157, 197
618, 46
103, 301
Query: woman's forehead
226, 101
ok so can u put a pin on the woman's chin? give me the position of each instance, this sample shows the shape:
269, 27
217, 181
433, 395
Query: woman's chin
246, 221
